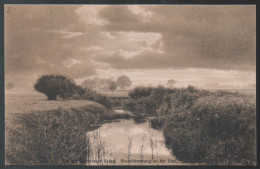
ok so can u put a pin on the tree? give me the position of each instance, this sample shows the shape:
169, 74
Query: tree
54, 85
123, 81
103, 83
171, 82
96, 83
112, 86
108, 83
88, 84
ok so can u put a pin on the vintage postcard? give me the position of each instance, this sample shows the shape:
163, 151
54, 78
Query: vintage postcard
104, 85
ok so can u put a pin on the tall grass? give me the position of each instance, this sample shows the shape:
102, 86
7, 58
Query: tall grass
56, 137
98, 155
129, 153
96, 148
200, 126
216, 128
142, 148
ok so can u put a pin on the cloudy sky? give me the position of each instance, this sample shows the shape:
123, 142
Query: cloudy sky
206, 46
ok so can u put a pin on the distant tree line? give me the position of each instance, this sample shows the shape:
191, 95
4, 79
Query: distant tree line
59, 85
122, 82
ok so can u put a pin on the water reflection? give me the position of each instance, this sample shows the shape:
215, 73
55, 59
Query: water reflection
139, 120
135, 140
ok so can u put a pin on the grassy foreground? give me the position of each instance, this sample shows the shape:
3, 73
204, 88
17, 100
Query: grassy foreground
53, 137
215, 128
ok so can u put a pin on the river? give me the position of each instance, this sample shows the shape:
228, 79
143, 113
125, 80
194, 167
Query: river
129, 142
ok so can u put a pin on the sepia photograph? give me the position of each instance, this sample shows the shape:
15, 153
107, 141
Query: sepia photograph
130, 85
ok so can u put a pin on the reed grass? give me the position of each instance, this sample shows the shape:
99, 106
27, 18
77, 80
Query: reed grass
54, 137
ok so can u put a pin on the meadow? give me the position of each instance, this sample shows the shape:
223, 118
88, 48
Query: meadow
198, 126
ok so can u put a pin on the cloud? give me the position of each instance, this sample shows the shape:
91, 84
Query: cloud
76, 40
119, 14
67, 34
89, 14
221, 37
37, 41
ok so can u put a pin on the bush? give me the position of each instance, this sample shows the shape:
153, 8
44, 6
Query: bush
148, 99
55, 137
91, 95
103, 100
140, 92
129, 105
145, 105
157, 123
214, 130
157, 95
54, 85
201, 126
191, 89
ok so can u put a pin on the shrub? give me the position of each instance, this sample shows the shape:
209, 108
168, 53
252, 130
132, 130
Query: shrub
157, 123
139, 120
55, 137
129, 105
145, 105
157, 95
191, 89
185, 99
148, 99
168, 100
54, 85
214, 130
103, 100
88, 94
201, 126
139, 92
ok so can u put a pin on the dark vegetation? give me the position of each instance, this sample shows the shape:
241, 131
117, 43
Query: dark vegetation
201, 126
54, 86
147, 100
56, 137
91, 95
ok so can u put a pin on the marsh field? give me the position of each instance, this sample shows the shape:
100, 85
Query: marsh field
121, 84
151, 126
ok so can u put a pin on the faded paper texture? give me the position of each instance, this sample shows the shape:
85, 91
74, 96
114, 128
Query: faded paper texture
130, 85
